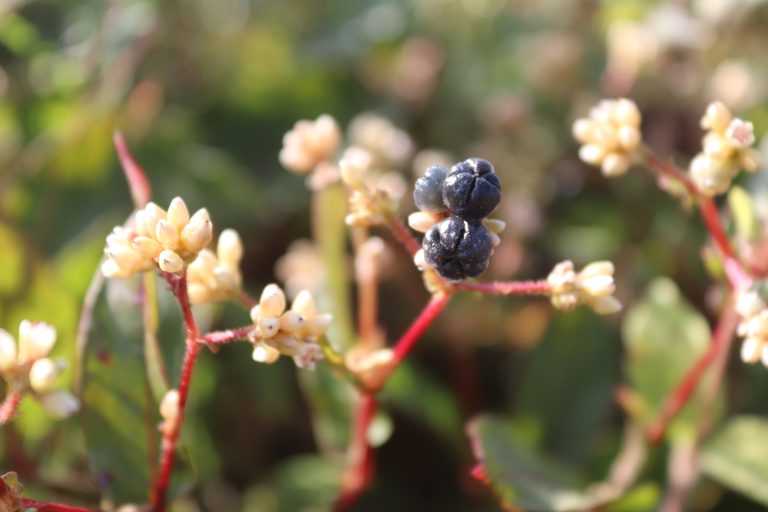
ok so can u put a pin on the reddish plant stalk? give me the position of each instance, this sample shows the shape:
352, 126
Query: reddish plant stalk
141, 190
227, 335
506, 288
40, 506
403, 236
408, 340
361, 467
675, 402
9, 406
168, 449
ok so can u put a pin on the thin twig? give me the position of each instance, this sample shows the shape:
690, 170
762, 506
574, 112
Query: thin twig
9, 406
506, 288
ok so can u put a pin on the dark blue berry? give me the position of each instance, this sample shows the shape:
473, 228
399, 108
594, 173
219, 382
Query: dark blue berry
428, 191
472, 190
458, 248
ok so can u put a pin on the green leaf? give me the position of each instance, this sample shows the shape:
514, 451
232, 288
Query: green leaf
119, 416
525, 479
664, 336
737, 457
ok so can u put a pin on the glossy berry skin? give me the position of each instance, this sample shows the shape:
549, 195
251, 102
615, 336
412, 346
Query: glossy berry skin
428, 191
472, 190
457, 248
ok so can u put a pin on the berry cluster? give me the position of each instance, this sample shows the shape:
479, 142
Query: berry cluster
459, 246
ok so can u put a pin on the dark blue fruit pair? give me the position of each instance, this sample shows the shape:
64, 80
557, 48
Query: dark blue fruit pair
459, 246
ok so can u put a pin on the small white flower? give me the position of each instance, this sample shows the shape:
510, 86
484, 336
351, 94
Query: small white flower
593, 286
36, 339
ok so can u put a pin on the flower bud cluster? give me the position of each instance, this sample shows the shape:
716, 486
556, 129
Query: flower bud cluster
753, 327
216, 276
171, 239
26, 367
293, 332
726, 150
388, 145
309, 143
610, 136
375, 195
592, 286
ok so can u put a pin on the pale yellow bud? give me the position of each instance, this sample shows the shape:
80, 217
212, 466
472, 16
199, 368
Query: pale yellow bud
751, 350
495, 225
422, 221
178, 214
140, 222
230, 248
605, 305
166, 234
495, 240
717, 117
629, 138
272, 301
291, 322
268, 326
43, 375
627, 113
198, 293
201, 214
263, 353
125, 257
111, 269
152, 215
749, 159
7, 351
169, 406
304, 304
318, 325
146, 247
591, 154
36, 339
170, 261
615, 164
255, 314
197, 235
582, 130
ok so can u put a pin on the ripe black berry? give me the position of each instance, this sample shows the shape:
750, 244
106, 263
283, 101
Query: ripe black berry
458, 248
472, 190
428, 191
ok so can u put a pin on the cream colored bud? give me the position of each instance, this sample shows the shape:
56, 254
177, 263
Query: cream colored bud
591, 154
764, 355
327, 136
749, 303
200, 215
606, 305
749, 159
627, 113
43, 375
140, 224
717, 117
111, 269
740, 133
60, 404
263, 353
230, 248
422, 221
255, 314
272, 301
495, 225
166, 234
615, 164
495, 240
146, 247
36, 339
318, 325
169, 406
304, 304
751, 350
268, 326
582, 130
419, 260
629, 138
125, 257
597, 268
197, 235
178, 214
152, 215
291, 322
170, 261
599, 286
199, 293
7, 351
717, 146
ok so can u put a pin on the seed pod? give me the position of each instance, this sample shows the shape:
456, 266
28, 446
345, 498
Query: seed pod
472, 190
458, 248
428, 190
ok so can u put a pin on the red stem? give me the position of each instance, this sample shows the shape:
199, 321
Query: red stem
141, 190
361, 467
40, 506
408, 340
227, 335
684, 390
404, 236
506, 288
178, 285
9, 406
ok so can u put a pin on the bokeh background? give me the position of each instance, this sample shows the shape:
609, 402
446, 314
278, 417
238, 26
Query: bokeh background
204, 91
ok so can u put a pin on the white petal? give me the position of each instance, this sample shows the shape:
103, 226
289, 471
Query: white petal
36, 339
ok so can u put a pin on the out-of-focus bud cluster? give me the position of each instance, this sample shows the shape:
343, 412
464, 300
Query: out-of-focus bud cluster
592, 286
26, 367
170, 239
301, 268
216, 276
309, 143
374, 195
389, 146
370, 366
726, 150
753, 327
293, 332
610, 136
169, 412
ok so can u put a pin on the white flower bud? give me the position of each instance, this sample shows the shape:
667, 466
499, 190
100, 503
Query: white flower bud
152, 215
43, 375
272, 301
146, 247
7, 351
166, 234
263, 353
268, 326
111, 269
422, 221
198, 293
751, 350
605, 305
178, 214
627, 113
200, 215
615, 164
629, 138
170, 261
582, 130
292, 322
36, 339
169, 406
60, 404
717, 117
304, 304
318, 324
125, 257
740, 133
197, 235
591, 154
229, 248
